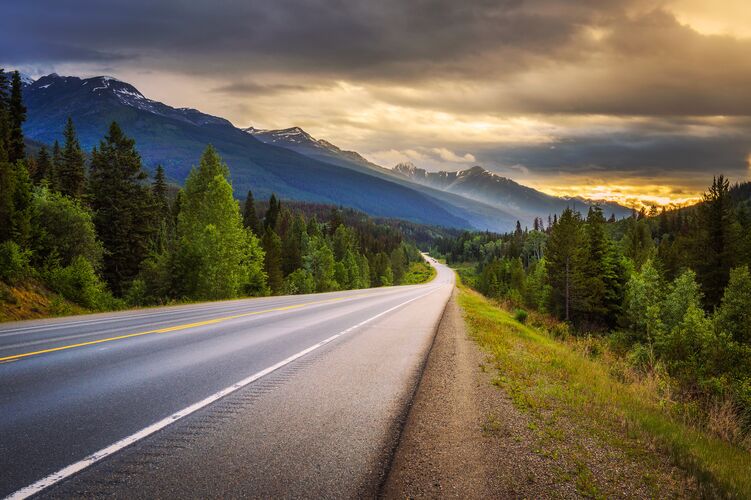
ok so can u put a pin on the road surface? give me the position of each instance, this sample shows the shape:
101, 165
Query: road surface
278, 396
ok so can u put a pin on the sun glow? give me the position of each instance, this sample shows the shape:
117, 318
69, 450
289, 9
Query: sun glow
635, 196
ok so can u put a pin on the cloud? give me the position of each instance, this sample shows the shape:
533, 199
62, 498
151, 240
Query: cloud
450, 156
544, 90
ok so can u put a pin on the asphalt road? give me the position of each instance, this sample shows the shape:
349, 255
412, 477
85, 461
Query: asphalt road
295, 396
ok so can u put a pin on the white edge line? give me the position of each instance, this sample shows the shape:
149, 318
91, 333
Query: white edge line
68, 471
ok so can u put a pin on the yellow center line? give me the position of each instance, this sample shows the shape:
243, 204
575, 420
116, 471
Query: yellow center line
167, 329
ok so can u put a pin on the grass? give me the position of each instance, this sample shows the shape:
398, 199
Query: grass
29, 300
418, 272
555, 382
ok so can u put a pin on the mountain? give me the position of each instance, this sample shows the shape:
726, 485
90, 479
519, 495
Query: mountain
481, 185
176, 137
298, 140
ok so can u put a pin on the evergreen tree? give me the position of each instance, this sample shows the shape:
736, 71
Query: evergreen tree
717, 241
159, 191
565, 263
272, 214
734, 313
319, 261
603, 274
43, 169
57, 166
272, 247
4, 115
250, 216
216, 257
70, 173
122, 203
293, 246
17, 114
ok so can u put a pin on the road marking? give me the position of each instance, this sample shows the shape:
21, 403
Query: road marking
165, 330
72, 469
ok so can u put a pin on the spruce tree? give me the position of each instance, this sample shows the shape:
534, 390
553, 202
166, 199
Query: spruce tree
717, 241
57, 166
4, 115
17, 114
565, 260
123, 206
43, 169
292, 245
250, 216
272, 246
272, 214
70, 174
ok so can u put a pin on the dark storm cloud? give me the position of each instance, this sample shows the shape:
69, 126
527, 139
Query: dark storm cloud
562, 56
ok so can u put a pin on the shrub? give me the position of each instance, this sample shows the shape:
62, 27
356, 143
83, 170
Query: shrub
298, 282
520, 315
14, 262
79, 283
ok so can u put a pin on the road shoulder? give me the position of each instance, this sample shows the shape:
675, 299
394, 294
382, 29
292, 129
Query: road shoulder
463, 437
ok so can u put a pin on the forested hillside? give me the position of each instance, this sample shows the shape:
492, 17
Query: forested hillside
668, 292
98, 233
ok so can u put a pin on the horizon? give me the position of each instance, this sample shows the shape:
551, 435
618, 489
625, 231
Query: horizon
615, 102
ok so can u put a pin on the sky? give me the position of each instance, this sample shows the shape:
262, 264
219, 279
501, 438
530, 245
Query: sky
631, 100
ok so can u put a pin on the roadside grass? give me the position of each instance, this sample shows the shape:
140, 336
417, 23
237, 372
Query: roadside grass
29, 300
419, 272
574, 397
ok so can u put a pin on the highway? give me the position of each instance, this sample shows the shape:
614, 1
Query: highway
293, 396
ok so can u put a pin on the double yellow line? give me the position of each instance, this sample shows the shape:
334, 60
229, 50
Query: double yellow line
165, 330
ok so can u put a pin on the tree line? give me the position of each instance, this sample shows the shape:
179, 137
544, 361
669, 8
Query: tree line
101, 232
667, 287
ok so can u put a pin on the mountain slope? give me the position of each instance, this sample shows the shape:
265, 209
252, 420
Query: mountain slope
479, 184
176, 138
296, 139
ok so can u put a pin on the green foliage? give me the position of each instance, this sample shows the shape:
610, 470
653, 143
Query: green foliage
565, 265
80, 283
520, 315
272, 247
63, 229
644, 292
123, 207
300, 281
250, 216
319, 262
734, 314
216, 257
14, 262
17, 115
70, 176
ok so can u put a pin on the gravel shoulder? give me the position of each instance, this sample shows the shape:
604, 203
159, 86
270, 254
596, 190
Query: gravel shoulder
463, 437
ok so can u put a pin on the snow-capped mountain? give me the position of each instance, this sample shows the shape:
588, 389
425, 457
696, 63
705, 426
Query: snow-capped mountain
482, 185
299, 140
176, 137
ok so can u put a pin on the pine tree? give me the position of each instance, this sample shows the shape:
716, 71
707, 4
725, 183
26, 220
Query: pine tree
70, 173
57, 166
123, 206
17, 112
250, 216
293, 246
159, 191
43, 169
717, 241
272, 214
4, 115
272, 246
734, 313
565, 263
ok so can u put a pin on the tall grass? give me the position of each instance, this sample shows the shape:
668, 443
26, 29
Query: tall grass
545, 375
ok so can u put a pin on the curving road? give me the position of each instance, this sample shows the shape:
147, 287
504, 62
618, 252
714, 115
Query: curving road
295, 396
